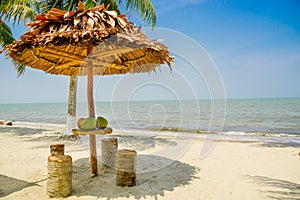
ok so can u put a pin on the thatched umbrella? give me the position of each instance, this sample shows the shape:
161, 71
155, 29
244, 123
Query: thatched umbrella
87, 42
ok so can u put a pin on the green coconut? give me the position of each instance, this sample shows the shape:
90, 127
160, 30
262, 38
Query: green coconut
79, 121
102, 122
88, 124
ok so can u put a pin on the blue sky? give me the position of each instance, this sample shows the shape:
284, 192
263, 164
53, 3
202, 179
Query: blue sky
255, 46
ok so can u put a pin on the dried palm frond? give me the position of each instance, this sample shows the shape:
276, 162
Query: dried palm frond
58, 40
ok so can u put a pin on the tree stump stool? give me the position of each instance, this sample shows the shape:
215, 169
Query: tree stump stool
109, 148
59, 178
57, 149
126, 167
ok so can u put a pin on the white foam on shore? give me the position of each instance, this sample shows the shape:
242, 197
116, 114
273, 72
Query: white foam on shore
292, 139
38, 125
283, 138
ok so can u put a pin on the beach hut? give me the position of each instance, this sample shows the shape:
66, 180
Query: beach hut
87, 43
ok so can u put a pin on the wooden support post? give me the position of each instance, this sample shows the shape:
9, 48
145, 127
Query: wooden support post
59, 178
126, 167
57, 149
109, 148
91, 109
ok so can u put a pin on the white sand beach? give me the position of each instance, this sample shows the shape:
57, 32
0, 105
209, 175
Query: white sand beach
233, 170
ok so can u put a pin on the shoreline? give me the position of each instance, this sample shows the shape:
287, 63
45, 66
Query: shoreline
168, 168
230, 136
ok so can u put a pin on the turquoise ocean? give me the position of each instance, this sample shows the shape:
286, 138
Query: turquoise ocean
268, 120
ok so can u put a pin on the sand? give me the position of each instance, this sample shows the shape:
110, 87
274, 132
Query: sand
168, 168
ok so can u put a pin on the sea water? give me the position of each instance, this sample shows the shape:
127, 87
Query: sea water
273, 120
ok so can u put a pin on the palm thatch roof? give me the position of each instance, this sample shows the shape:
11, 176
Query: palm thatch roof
62, 42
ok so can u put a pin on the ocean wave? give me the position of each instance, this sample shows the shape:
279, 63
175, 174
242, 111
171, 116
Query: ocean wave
230, 133
239, 136
295, 117
173, 129
34, 124
282, 138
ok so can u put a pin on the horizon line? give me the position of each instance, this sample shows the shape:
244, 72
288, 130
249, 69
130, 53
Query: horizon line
148, 100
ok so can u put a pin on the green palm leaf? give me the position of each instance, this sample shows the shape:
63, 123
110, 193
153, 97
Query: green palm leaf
6, 36
20, 68
18, 11
113, 5
144, 8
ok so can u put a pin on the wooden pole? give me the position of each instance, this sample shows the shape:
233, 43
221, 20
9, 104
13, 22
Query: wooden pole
91, 109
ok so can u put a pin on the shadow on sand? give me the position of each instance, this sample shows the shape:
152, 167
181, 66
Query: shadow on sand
9, 185
155, 175
144, 142
277, 188
280, 145
22, 130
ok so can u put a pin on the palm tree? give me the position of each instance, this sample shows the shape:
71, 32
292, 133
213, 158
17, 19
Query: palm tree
17, 12
25, 10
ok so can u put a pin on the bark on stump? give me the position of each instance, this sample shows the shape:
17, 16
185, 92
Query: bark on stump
57, 149
126, 167
59, 178
109, 148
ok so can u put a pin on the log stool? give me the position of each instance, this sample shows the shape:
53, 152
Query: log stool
126, 167
57, 149
59, 178
109, 148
